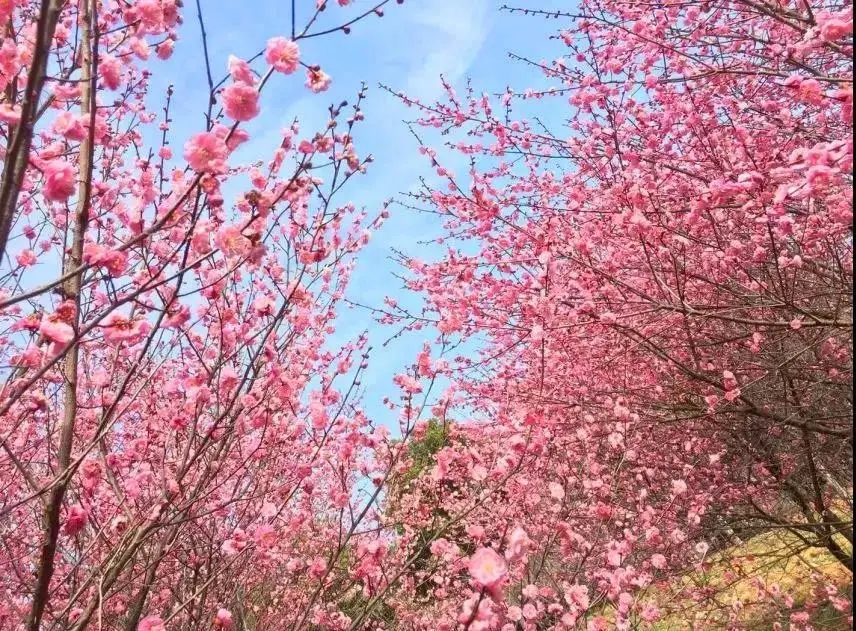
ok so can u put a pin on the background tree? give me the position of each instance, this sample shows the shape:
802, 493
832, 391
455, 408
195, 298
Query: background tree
180, 445
661, 278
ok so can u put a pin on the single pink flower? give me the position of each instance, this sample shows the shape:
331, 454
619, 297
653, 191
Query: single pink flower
733, 395
264, 306
577, 596
114, 261
240, 71
679, 487
151, 623
120, 328
241, 102
140, 47
317, 80
177, 317
10, 114
76, 520
59, 180
282, 54
487, 567
223, 619
231, 547
56, 330
31, 357
231, 242
165, 48
318, 568
206, 151
26, 258
110, 69
835, 26
517, 543
233, 141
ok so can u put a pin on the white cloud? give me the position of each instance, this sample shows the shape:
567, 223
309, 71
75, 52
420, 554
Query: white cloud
454, 31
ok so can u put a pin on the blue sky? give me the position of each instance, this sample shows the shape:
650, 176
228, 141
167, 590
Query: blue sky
408, 49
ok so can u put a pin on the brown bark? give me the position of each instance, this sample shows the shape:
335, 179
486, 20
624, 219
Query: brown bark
53, 507
18, 154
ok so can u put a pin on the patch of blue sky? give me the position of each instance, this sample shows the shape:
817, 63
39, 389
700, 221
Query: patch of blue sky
407, 50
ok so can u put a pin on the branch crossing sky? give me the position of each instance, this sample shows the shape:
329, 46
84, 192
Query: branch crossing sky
408, 50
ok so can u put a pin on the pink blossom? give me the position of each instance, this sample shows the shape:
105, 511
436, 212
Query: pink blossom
223, 619
231, 547
487, 567
650, 612
151, 623
476, 532
10, 113
835, 26
317, 80
264, 306
514, 614
59, 181
116, 262
90, 474
232, 137
110, 68
231, 241
577, 596
240, 71
598, 623
56, 330
76, 520
241, 101
26, 258
177, 317
282, 54
206, 151
517, 543
119, 328
140, 47
318, 568
31, 357
165, 48
407, 383
72, 126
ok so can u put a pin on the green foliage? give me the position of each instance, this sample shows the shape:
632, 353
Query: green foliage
421, 452
355, 604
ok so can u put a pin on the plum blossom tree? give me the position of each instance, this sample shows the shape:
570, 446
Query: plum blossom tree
661, 277
180, 446
662, 289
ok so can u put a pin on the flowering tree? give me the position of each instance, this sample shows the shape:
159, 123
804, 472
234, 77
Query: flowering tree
663, 293
180, 447
661, 278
